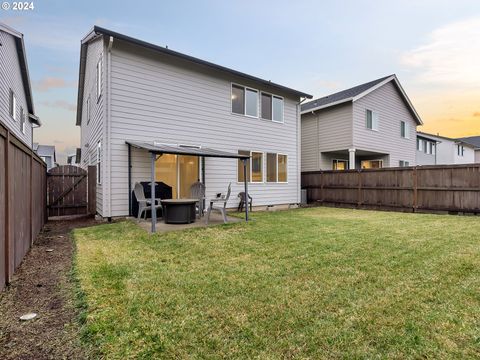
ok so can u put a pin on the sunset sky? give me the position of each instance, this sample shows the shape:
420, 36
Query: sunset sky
317, 47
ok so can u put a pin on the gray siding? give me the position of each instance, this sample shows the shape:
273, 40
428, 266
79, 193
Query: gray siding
325, 130
425, 159
392, 109
94, 131
477, 156
11, 78
156, 98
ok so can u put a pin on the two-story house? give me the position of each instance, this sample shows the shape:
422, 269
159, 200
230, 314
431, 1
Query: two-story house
135, 98
16, 104
372, 125
448, 151
475, 142
47, 153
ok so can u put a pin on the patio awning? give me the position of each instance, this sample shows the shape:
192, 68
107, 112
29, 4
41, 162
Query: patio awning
185, 150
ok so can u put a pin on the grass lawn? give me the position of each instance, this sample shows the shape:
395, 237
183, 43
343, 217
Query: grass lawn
306, 283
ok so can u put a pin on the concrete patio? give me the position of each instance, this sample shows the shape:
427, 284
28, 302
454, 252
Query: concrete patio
161, 227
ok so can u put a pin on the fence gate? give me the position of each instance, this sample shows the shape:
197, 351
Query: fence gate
71, 190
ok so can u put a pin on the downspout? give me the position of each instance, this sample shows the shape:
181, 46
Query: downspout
109, 121
299, 151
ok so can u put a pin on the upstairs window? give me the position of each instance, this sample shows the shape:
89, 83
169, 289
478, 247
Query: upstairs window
99, 78
272, 107
372, 120
404, 130
419, 144
12, 105
244, 101
460, 150
433, 147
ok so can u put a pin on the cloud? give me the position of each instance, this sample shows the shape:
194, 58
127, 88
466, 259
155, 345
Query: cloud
330, 85
476, 114
48, 83
62, 104
450, 56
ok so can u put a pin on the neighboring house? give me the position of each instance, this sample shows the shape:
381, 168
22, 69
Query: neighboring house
16, 104
475, 141
372, 125
449, 151
427, 149
47, 153
147, 95
72, 159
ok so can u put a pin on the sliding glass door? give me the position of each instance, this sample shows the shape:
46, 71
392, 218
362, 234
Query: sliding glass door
179, 172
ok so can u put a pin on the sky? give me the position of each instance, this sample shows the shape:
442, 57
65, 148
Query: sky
318, 47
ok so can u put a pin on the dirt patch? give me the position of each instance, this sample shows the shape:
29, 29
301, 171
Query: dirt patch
43, 285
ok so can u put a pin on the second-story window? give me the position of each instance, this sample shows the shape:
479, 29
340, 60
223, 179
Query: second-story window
460, 150
12, 105
22, 120
272, 107
404, 130
244, 101
371, 120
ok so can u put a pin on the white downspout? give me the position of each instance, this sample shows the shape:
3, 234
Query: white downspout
109, 122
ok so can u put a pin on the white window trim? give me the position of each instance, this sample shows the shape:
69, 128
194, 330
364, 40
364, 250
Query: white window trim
245, 88
404, 163
407, 130
271, 107
374, 128
22, 120
88, 109
14, 106
251, 166
282, 182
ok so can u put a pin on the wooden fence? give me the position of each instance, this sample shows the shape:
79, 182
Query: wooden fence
22, 201
453, 188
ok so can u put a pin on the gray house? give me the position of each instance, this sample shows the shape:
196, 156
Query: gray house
475, 142
47, 153
448, 151
372, 125
136, 98
16, 104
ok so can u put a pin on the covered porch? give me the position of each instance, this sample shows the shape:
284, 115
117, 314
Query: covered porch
354, 159
176, 168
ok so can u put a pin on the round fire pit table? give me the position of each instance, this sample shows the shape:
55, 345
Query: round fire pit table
179, 211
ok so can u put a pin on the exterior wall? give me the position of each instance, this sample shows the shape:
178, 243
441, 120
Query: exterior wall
94, 131
325, 130
477, 156
447, 153
157, 98
468, 155
389, 104
11, 78
425, 159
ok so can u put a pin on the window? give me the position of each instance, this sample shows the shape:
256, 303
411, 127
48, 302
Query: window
266, 106
404, 130
424, 146
433, 148
271, 167
340, 164
372, 120
88, 110
277, 109
99, 78
419, 144
244, 101
371, 164
22, 120
404, 163
240, 175
12, 105
272, 107
99, 158
257, 167
282, 168
460, 150
251, 102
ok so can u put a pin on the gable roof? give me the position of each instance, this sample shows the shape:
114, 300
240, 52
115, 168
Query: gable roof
356, 93
436, 137
473, 140
97, 30
22, 58
45, 150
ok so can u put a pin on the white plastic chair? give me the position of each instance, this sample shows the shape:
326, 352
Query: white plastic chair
219, 204
143, 203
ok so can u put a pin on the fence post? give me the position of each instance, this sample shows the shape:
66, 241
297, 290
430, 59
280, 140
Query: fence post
415, 189
321, 186
359, 188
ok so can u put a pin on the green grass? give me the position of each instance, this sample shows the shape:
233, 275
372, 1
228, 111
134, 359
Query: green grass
307, 283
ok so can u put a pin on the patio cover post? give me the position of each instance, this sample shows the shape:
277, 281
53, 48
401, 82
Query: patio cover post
152, 189
246, 187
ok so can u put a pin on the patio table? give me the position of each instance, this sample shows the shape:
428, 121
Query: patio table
179, 211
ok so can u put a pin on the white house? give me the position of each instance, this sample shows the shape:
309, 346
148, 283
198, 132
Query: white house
475, 142
47, 153
371, 125
449, 151
136, 98
16, 104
